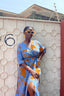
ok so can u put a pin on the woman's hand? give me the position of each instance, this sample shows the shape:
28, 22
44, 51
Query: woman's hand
35, 74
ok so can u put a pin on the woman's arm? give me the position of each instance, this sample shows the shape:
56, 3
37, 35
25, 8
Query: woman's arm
41, 55
26, 67
34, 73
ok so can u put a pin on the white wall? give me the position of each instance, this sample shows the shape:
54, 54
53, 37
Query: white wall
48, 33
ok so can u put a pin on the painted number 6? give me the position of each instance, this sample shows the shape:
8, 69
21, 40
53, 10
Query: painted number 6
9, 37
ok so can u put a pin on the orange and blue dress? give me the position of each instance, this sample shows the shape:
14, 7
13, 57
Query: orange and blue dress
29, 56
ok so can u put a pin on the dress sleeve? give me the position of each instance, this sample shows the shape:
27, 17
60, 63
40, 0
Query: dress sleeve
42, 48
19, 55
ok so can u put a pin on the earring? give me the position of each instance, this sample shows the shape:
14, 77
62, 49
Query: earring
24, 35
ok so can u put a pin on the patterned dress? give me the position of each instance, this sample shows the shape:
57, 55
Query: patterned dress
28, 55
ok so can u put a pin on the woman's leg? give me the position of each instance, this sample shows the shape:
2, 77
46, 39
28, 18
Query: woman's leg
31, 89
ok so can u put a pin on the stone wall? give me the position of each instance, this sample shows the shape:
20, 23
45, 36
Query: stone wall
48, 33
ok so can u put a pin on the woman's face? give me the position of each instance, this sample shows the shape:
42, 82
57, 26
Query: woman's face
29, 33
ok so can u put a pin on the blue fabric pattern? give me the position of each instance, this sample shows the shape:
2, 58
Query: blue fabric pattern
28, 55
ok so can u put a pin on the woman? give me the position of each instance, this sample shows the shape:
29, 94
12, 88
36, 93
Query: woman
29, 54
